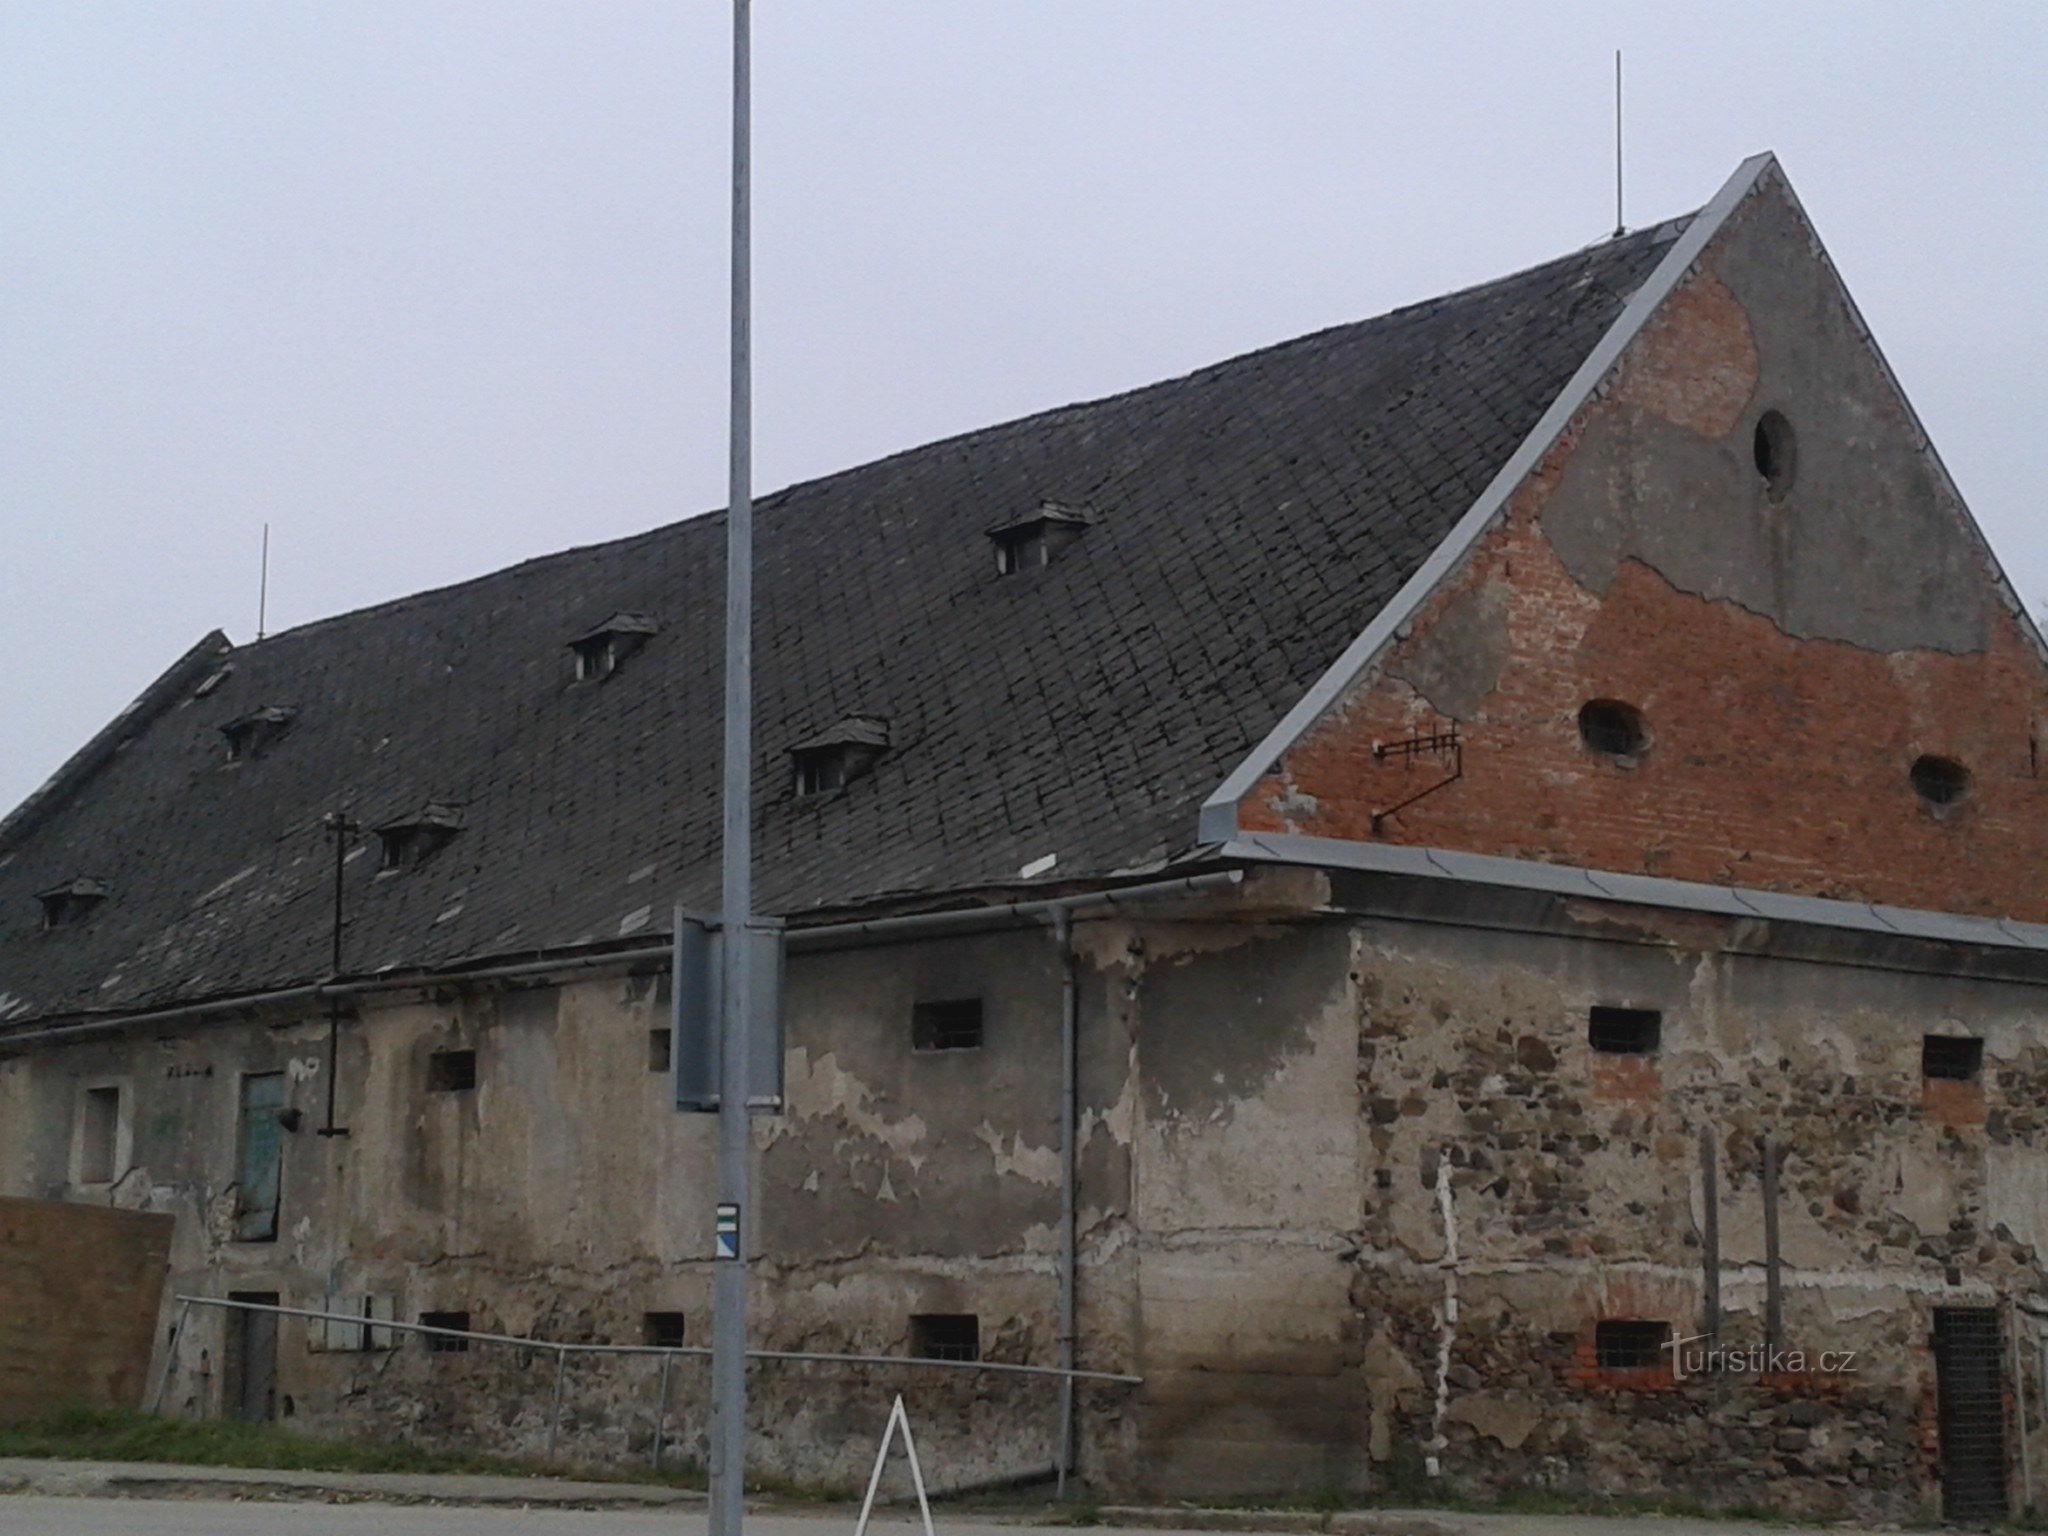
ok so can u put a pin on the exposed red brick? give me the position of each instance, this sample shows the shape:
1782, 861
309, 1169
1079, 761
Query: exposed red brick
1775, 762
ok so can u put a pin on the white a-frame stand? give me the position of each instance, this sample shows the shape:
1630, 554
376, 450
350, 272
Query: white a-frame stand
898, 1419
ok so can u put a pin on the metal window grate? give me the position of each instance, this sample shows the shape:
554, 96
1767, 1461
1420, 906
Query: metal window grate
440, 1343
1630, 1343
1959, 1058
945, 1336
1625, 1031
1970, 1412
947, 1026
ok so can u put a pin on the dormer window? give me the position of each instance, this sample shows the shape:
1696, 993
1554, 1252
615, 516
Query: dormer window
251, 735
72, 902
603, 650
835, 758
1030, 543
411, 840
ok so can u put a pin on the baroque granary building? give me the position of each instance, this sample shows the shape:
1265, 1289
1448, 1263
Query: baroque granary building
1410, 872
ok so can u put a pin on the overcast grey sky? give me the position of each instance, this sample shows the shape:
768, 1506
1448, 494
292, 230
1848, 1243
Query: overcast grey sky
433, 286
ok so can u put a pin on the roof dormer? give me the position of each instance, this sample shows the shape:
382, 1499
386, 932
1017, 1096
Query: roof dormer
72, 902
251, 735
410, 840
834, 758
602, 650
1031, 543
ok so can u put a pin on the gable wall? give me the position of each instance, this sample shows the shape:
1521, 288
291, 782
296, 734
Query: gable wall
1792, 657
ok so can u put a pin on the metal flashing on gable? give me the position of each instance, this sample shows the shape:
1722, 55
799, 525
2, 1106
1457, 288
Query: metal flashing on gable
1217, 821
1634, 890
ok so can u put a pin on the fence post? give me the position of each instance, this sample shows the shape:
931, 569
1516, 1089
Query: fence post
555, 1413
661, 1407
177, 1342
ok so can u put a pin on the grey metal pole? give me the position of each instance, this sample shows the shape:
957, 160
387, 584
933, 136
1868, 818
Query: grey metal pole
1774, 1280
729, 1286
661, 1409
1710, 1235
177, 1342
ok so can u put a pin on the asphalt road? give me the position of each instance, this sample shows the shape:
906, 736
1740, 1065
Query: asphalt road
44, 1515
33, 1515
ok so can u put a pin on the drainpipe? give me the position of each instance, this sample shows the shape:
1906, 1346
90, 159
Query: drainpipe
1063, 936
341, 828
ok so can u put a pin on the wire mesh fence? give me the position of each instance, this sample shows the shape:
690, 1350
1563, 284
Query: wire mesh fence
816, 1416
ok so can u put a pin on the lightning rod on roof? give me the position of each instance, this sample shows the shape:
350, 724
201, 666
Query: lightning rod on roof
263, 586
1620, 228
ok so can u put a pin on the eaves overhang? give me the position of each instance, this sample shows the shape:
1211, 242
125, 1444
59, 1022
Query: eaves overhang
1568, 881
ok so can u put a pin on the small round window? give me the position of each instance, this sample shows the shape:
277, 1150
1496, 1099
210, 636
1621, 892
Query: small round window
1612, 728
1940, 781
1776, 451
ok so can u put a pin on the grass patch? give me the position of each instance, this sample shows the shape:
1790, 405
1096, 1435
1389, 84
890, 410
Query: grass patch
97, 1434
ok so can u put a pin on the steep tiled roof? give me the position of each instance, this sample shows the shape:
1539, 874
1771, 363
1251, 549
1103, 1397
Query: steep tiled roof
1247, 521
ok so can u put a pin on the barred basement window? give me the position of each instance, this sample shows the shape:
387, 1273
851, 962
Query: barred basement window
1630, 1344
451, 1072
441, 1343
945, 1336
948, 1026
662, 1330
1958, 1058
1625, 1031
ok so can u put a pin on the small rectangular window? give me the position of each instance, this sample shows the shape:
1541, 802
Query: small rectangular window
1960, 1058
1021, 549
451, 1072
259, 1157
663, 1330
946, 1026
442, 1343
1625, 1031
820, 770
99, 1135
945, 1336
1630, 1344
660, 1050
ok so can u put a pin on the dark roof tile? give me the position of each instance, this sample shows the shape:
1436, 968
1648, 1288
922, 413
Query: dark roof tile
1248, 520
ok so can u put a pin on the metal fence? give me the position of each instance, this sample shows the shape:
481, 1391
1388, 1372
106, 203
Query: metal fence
668, 1355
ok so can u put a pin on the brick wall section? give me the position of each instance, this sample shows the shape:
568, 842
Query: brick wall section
79, 1290
1775, 762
